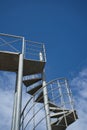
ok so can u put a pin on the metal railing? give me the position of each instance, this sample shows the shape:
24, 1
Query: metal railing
12, 43
33, 50
34, 114
58, 90
60, 94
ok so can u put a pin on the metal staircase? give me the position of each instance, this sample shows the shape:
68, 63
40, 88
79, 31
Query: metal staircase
52, 100
62, 112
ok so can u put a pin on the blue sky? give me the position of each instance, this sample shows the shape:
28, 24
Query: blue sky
60, 24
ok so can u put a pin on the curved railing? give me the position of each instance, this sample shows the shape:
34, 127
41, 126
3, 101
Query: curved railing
34, 114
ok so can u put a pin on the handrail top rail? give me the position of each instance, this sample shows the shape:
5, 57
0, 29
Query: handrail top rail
10, 35
62, 78
21, 37
40, 43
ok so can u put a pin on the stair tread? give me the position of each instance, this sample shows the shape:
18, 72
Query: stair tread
33, 67
56, 127
57, 109
57, 115
9, 62
31, 81
69, 117
34, 90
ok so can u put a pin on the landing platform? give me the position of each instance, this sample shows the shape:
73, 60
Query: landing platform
9, 62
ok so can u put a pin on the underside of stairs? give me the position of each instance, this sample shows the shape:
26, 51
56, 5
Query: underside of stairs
9, 62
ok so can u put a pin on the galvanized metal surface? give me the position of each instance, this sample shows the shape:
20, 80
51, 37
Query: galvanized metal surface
19, 93
55, 97
14, 106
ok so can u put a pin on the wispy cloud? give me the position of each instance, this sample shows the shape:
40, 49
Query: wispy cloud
7, 83
79, 88
6, 102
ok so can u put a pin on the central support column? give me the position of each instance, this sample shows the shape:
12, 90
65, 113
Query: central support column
19, 89
46, 103
14, 106
45, 96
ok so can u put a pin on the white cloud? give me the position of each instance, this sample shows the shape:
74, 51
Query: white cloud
78, 85
7, 85
6, 99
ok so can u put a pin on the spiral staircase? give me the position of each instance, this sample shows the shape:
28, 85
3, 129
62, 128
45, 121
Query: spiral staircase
52, 100
62, 114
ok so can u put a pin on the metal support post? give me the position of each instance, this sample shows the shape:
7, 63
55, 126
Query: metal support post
19, 89
46, 103
14, 107
45, 94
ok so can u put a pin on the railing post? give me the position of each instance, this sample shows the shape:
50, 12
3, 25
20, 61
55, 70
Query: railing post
44, 53
19, 89
70, 98
62, 101
46, 103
